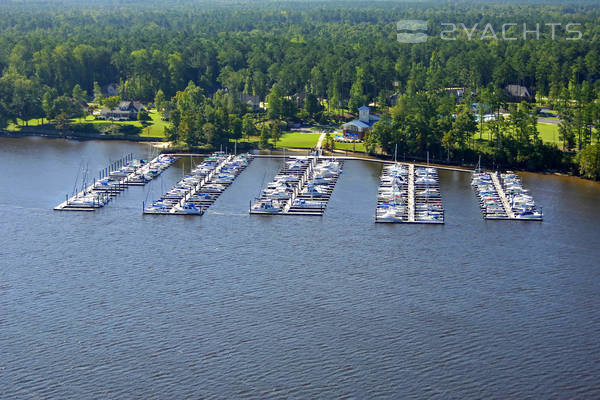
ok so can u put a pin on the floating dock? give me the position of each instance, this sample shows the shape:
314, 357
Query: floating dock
199, 190
502, 197
409, 194
303, 186
113, 180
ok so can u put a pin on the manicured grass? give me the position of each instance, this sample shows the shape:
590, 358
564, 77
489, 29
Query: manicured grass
298, 140
549, 133
359, 147
153, 128
291, 140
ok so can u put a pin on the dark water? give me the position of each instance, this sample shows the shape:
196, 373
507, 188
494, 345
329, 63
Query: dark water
117, 305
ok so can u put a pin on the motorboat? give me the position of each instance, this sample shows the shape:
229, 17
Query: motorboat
425, 180
212, 188
430, 216
391, 213
428, 192
276, 194
321, 180
187, 209
201, 197
286, 178
302, 203
265, 207
312, 190
157, 207
89, 200
529, 213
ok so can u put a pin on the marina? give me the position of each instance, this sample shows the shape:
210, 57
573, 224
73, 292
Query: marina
200, 189
504, 197
287, 263
409, 194
303, 186
113, 180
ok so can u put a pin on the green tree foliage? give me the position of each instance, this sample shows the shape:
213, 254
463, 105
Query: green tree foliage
236, 127
160, 102
143, 115
111, 102
342, 53
275, 105
98, 97
248, 127
589, 162
275, 132
265, 135
357, 94
79, 94
312, 105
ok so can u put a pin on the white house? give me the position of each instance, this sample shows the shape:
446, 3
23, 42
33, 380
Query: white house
357, 128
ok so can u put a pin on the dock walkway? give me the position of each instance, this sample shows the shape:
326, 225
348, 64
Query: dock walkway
409, 194
507, 208
504, 198
198, 191
303, 186
113, 180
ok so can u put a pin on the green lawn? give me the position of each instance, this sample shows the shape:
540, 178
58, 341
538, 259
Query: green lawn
298, 140
291, 140
548, 133
153, 128
360, 147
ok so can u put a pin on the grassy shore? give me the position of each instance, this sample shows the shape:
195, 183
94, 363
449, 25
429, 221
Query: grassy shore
155, 127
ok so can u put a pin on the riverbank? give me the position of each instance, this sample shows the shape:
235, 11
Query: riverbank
165, 147
78, 135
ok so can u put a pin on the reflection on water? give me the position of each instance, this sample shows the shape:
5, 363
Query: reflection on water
114, 304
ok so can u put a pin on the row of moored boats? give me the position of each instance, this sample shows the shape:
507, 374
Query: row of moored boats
504, 197
409, 194
303, 186
113, 180
198, 190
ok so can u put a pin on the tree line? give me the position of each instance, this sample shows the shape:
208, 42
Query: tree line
339, 54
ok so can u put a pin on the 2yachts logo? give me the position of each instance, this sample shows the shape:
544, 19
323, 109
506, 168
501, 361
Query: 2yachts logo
412, 31
411, 25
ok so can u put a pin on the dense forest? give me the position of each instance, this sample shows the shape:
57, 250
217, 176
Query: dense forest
194, 59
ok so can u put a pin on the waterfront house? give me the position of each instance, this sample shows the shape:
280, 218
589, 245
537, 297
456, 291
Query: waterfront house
253, 102
125, 111
518, 93
356, 129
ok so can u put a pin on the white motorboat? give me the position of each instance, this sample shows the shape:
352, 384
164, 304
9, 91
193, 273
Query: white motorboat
425, 180
187, 209
321, 180
276, 194
391, 213
265, 207
302, 203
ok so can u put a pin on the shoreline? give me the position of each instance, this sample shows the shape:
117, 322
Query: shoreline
163, 146
78, 136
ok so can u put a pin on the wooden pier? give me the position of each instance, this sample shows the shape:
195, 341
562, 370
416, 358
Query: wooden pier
303, 186
198, 191
113, 180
